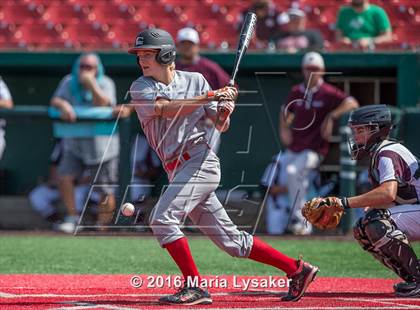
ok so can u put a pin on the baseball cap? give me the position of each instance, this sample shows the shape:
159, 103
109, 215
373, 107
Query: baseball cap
313, 59
188, 34
295, 12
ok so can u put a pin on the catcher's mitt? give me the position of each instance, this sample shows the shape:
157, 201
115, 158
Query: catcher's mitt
323, 213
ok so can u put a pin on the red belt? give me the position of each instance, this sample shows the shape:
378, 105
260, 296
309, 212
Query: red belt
173, 164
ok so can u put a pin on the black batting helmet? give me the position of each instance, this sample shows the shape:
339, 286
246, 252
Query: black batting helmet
156, 39
377, 118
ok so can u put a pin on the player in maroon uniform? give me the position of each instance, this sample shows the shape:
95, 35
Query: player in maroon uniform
306, 124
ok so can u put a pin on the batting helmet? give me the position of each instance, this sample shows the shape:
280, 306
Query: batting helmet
156, 39
378, 118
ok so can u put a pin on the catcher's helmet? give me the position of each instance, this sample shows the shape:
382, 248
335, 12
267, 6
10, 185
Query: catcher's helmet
377, 118
156, 39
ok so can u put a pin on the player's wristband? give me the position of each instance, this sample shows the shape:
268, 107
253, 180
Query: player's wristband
211, 94
345, 202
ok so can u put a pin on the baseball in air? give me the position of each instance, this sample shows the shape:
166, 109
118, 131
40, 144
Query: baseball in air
127, 209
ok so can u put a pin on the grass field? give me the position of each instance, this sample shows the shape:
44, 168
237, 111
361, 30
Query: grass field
142, 255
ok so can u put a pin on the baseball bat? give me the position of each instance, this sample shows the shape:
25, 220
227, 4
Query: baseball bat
245, 36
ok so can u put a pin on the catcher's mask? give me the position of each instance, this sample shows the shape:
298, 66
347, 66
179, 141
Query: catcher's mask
369, 126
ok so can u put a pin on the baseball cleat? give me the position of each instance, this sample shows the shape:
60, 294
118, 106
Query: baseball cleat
300, 280
188, 296
407, 289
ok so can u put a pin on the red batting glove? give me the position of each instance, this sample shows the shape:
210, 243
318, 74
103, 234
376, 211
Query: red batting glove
225, 93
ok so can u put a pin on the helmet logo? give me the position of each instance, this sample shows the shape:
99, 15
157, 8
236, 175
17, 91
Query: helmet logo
139, 41
155, 34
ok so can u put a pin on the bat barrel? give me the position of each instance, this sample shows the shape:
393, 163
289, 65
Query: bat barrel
245, 36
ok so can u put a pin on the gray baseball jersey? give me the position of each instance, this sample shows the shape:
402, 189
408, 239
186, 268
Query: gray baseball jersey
169, 136
191, 189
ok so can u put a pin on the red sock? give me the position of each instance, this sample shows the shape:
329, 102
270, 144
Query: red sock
263, 253
181, 254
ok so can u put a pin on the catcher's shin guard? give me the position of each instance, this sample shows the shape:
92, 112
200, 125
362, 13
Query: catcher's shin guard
378, 234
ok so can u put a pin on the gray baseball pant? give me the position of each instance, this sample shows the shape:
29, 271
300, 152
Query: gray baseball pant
191, 193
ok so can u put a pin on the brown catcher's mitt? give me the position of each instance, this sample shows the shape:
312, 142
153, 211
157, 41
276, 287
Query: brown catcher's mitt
323, 213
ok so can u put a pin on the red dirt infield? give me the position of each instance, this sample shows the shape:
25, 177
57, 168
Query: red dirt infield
35, 291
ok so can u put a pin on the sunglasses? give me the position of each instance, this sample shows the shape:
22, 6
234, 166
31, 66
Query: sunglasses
87, 67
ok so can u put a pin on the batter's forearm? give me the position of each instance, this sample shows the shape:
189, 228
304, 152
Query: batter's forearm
223, 126
172, 108
220, 121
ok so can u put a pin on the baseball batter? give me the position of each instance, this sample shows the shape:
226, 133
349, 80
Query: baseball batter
172, 107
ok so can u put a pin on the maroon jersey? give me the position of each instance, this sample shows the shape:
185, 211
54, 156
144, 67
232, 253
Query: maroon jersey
312, 106
211, 71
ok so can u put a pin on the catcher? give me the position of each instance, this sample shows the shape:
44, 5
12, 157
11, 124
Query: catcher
393, 216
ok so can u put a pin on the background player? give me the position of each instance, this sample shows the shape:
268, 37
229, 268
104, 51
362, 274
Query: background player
189, 59
174, 127
278, 207
305, 136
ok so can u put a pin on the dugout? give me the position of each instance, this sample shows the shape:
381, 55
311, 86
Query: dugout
391, 78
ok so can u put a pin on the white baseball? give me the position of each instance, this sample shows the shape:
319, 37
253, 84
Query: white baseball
127, 209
